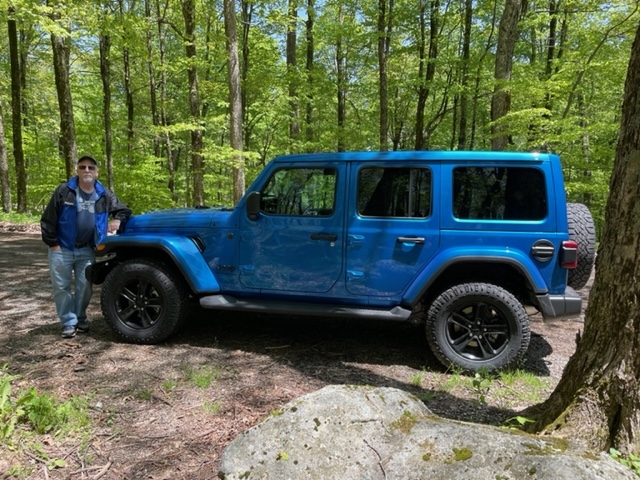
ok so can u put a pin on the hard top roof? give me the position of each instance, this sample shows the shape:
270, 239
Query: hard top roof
421, 155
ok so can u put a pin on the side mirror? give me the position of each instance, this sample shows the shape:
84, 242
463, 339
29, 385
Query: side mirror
253, 205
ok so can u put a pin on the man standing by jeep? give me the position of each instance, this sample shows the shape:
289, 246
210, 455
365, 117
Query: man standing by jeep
75, 220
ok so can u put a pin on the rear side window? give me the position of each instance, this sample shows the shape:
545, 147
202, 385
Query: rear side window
300, 191
499, 193
394, 192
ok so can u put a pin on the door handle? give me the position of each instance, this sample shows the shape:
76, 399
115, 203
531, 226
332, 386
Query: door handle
324, 236
417, 240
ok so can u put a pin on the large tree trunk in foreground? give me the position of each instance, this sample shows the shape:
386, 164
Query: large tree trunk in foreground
598, 397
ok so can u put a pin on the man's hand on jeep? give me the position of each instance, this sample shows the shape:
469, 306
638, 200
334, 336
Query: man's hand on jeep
114, 225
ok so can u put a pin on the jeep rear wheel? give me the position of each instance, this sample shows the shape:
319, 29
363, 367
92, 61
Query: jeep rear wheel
143, 301
583, 231
477, 326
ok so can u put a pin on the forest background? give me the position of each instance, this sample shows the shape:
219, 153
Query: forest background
184, 101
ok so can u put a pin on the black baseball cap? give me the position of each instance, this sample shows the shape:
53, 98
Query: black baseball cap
88, 157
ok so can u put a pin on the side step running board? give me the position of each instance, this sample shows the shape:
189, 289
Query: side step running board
226, 302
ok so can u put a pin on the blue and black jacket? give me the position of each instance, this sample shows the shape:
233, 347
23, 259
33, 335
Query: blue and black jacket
58, 221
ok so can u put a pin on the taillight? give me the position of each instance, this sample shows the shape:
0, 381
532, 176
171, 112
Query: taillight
569, 254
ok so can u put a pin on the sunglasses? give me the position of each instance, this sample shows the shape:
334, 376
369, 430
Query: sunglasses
87, 167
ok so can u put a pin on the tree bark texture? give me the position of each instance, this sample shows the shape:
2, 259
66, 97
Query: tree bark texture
311, 14
501, 100
598, 396
153, 97
246, 16
16, 117
172, 163
383, 52
67, 143
235, 98
341, 62
428, 71
5, 187
105, 75
197, 163
464, 96
292, 71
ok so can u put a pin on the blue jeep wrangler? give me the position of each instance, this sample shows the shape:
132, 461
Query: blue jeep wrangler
465, 242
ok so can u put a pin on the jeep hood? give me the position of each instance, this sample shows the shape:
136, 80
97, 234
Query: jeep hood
187, 218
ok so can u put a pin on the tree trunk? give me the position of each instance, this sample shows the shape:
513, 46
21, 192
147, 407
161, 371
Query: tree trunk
425, 83
128, 89
197, 163
551, 47
384, 31
292, 74
598, 396
5, 187
342, 85
67, 140
16, 117
166, 136
153, 98
501, 99
247, 14
464, 96
235, 102
105, 75
311, 14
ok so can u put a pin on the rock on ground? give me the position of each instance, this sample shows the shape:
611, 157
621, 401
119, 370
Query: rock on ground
349, 432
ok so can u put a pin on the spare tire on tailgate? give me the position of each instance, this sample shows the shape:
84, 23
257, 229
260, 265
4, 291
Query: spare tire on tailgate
583, 231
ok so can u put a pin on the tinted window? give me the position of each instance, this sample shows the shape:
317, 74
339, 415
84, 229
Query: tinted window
499, 193
300, 191
394, 192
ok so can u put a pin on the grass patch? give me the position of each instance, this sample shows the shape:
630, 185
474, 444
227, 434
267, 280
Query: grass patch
505, 388
144, 394
170, 384
212, 408
523, 386
202, 376
32, 411
19, 218
27, 414
417, 378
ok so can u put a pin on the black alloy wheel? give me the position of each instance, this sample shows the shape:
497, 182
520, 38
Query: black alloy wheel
477, 326
143, 301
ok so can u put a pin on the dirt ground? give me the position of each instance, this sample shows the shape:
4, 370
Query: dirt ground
149, 419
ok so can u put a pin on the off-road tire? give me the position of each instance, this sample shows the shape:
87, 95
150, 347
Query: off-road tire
583, 231
477, 326
144, 301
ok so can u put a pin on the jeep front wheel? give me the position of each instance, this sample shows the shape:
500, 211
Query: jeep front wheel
477, 326
143, 301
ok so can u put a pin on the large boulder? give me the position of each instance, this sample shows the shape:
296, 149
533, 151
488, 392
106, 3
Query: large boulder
347, 432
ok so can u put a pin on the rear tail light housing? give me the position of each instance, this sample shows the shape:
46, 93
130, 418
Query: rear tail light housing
569, 254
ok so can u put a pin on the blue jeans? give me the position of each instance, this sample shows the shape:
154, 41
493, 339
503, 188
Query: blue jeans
71, 307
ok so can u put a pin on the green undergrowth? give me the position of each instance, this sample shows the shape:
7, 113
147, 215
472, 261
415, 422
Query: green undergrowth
630, 461
27, 416
19, 218
506, 388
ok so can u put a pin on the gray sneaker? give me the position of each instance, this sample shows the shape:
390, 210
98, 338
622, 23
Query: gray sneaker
83, 326
69, 331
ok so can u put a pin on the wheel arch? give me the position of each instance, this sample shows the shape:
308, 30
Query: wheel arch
182, 254
504, 272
